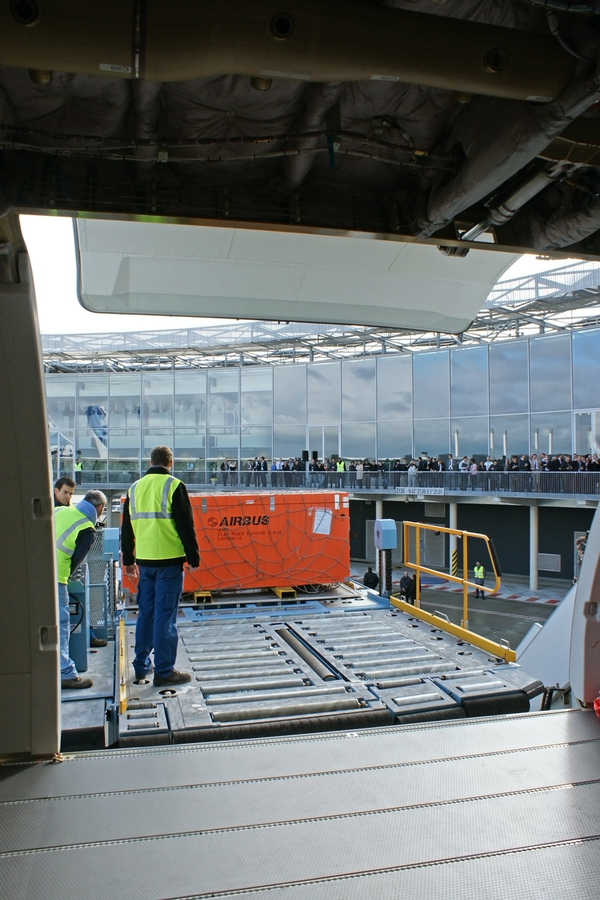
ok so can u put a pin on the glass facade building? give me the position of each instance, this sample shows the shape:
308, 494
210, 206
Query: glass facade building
523, 395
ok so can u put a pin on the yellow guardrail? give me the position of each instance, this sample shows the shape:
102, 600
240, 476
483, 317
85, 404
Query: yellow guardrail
464, 536
439, 620
122, 667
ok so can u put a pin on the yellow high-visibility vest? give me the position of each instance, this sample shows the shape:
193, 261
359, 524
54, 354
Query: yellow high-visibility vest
478, 571
150, 510
68, 523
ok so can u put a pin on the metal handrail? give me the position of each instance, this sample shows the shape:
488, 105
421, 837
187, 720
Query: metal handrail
439, 620
466, 583
534, 484
502, 651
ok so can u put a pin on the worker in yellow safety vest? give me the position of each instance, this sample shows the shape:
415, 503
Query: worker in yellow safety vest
478, 577
157, 538
74, 529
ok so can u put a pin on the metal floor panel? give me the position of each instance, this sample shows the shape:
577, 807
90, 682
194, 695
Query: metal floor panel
175, 865
34, 823
474, 809
565, 872
172, 766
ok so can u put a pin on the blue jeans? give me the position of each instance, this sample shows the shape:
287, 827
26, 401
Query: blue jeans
67, 666
159, 590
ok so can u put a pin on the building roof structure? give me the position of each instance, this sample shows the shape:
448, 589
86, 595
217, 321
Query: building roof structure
557, 300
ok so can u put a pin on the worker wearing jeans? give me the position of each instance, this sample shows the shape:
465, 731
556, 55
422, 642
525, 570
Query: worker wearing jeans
158, 537
159, 590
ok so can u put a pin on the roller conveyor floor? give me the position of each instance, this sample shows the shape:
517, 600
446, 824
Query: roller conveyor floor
472, 809
310, 667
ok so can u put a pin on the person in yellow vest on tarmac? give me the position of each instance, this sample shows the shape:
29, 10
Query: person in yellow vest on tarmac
77, 468
157, 538
74, 529
478, 577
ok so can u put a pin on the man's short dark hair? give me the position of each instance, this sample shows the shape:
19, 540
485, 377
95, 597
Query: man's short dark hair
161, 456
60, 482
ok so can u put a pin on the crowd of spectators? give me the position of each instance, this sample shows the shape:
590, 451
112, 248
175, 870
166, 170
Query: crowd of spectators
375, 474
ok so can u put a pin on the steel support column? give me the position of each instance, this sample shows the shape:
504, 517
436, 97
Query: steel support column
533, 546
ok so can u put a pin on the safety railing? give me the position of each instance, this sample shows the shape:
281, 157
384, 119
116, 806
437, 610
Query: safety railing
562, 484
437, 619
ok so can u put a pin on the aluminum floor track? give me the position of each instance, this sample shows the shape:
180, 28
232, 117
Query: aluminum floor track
471, 809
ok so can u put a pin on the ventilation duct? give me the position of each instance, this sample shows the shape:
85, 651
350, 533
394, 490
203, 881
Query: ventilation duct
500, 138
307, 40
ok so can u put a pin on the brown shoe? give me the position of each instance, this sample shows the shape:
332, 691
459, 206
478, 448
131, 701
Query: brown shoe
78, 682
98, 642
174, 677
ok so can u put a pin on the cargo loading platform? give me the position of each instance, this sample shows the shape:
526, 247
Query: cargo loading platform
342, 660
474, 809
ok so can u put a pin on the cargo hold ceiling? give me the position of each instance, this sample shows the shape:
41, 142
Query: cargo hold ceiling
444, 123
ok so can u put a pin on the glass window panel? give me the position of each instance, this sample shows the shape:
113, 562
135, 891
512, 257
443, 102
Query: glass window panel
324, 385
358, 440
61, 401
257, 396
550, 372
153, 437
551, 434
331, 439
431, 437
190, 398
289, 440
394, 388
93, 417
469, 381
157, 400
125, 401
223, 439
92, 401
586, 353
508, 377
510, 435
473, 436
289, 393
394, 440
315, 440
431, 383
223, 397
358, 390
62, 451
189, 462
123, 455
94, 456
257, 441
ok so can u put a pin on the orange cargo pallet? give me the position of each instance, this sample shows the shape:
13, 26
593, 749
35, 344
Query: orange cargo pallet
263, 540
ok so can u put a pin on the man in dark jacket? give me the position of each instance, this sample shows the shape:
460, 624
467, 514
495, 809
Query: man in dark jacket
411, 592
404, 585
157, 538
371, 579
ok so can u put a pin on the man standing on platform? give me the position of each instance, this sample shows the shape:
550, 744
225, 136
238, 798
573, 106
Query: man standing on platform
74, 529
157, 538
64, 488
